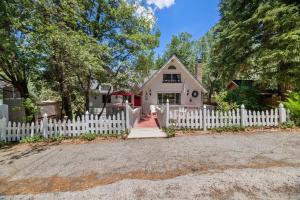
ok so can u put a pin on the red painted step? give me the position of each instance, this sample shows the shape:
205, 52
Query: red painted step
149, 121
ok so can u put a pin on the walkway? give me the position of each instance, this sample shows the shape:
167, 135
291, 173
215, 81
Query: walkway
146, 128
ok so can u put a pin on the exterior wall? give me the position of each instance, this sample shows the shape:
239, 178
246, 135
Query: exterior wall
52, 108
232, 86
96, 100
156, 86
16, 112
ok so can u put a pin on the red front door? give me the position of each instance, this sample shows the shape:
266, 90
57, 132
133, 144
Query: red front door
137, 101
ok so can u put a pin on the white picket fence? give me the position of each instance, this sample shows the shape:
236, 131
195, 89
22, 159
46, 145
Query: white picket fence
206, 119
87, 123
134, 116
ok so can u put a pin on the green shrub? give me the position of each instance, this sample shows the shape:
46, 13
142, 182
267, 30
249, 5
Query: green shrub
30, 104
170, 132
88, 136
2, 143
223, 103
56, 138
229, 129
286, 125
246, 95
293, 105
33, 139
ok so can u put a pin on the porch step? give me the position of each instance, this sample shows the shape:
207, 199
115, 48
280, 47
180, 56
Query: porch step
146, 133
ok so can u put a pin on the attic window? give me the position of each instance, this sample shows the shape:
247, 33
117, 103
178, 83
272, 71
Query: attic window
172, 67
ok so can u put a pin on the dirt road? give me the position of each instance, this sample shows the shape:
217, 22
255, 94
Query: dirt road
254, 166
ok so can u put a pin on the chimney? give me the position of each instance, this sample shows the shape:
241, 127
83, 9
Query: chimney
198, 70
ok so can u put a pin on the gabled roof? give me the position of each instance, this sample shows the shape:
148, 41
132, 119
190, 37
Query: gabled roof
182, 66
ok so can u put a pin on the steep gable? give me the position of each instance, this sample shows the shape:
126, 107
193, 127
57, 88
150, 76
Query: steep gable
175, 61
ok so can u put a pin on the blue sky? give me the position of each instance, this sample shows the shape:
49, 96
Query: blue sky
175, 16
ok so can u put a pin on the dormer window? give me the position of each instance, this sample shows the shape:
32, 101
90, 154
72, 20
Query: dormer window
172, 78
172, 67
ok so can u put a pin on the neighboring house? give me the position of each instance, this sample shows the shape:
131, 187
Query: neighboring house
267, 96
237, 83
11, 97
174, 82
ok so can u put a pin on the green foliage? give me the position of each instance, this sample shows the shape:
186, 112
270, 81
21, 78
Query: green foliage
256, 39
33, 139
249, 96
211, 74
293, 105
171, 132
229, 129
70, 44
287, 125
223, 104
184, 47
88, 136
40, 138
30, 104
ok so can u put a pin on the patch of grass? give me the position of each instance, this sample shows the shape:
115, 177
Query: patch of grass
187, 130
2, 143
229, 129
287, 125
33, 139
40, 138
56, 138
88, 136
170, 132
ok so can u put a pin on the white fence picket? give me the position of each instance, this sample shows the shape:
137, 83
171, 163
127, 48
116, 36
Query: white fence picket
194, 118
12, 131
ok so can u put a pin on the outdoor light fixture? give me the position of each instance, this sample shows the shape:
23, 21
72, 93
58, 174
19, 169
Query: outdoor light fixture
150, 92
188, 92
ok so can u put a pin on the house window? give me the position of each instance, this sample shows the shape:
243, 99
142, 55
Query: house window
174, 98
172, 67
104, 97
172, 78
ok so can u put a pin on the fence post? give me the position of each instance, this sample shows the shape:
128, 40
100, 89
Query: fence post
204, 118
3, 124
243, 116
127, 115
282, 114
167, 114
45, 125
87, 121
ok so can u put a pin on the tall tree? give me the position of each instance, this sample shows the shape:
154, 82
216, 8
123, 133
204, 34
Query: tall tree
259, 39
184, 47
211, 75
18, 59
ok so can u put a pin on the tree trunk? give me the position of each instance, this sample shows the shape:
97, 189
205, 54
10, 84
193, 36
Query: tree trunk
66, 100
209, 96
87, 93
210, 92
87, 100
65, 96
106, 99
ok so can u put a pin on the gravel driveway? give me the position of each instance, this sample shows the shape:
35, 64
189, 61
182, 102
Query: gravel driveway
254, 166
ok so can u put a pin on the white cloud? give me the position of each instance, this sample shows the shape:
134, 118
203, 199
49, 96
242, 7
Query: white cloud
161, 3
145, 12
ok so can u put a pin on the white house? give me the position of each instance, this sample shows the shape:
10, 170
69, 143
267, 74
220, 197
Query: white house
173, 81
